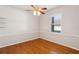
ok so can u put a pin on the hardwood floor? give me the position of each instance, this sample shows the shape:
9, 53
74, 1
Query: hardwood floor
37, 46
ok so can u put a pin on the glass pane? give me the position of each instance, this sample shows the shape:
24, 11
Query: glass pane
57, 28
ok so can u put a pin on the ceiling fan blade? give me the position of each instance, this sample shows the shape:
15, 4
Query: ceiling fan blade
33, 7
28, 10
43, 8
42, 12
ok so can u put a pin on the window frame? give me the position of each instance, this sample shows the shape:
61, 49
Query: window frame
59, 14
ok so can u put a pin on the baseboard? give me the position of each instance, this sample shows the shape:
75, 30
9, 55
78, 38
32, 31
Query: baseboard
17, 42
60, 43
15, 39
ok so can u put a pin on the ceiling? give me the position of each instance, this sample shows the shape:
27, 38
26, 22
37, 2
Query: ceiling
28, 7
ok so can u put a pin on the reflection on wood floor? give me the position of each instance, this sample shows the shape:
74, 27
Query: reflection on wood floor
37, 46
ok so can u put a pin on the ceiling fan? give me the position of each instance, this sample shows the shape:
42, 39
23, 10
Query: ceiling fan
38, 10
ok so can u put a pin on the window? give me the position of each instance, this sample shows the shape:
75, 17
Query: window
55, 24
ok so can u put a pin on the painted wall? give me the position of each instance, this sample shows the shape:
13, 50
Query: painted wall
23, 26
20, 26
70, 26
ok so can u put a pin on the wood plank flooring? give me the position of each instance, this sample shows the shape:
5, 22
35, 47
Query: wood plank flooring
37, 46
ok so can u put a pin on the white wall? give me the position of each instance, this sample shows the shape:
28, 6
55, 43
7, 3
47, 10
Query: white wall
70, 26
23, 26
20, 26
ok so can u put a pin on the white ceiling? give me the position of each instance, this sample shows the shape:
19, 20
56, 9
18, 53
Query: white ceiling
28, 7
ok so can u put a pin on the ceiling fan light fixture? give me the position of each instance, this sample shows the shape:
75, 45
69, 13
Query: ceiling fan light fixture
36, 13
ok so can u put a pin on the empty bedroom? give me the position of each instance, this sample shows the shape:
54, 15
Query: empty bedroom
39, 29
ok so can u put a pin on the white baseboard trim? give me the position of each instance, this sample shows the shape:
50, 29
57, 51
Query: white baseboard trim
17, 42
60, 43
71, 41
15, 39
